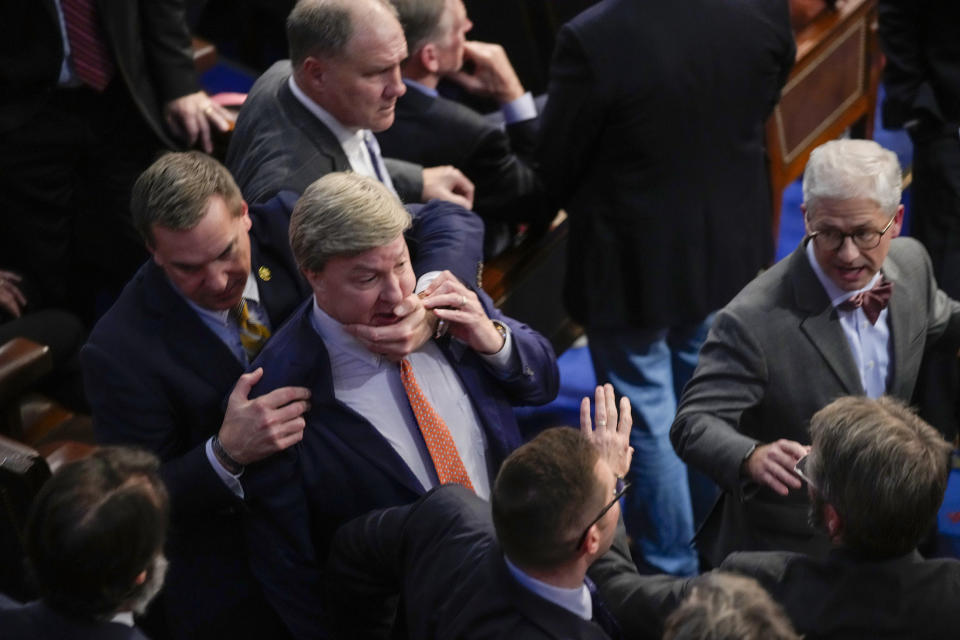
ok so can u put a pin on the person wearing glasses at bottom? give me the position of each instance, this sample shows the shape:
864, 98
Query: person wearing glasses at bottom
514, 567
850, 312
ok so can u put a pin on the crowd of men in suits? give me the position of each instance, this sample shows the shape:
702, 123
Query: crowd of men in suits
327, 393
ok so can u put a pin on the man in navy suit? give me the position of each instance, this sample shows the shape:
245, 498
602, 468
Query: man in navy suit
94, 540
160, 365
511, 568
379, 432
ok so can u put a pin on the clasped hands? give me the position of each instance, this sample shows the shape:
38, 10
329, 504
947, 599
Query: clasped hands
445, 298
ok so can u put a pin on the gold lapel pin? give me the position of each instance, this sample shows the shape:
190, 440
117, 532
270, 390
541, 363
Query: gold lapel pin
264, 273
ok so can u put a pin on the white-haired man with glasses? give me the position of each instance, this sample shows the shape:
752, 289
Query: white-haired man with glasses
850, 312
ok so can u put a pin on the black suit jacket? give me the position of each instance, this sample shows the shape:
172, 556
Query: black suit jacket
922, 73
837, 597
279, 145
441, 555
37, 621
652, 139
148, 39
436, 131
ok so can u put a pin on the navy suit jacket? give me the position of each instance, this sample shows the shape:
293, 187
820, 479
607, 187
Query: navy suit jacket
158, 377
344, 467
441, 555
435, 131
36, 621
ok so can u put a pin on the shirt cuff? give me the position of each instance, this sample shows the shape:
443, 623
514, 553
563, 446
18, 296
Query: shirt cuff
505, 361
232, 481
523, 108
424, 281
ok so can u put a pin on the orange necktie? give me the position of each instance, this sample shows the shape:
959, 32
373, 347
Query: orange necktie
440, 444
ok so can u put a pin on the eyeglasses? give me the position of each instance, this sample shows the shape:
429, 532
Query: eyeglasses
801, 470
865, 239
616, 497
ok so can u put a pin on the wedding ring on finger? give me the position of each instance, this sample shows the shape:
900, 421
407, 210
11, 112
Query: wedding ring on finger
463, 301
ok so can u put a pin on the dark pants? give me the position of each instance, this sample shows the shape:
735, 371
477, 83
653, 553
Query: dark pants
936, 223
65, 180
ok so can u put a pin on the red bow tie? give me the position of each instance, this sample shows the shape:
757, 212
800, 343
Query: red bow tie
872, 301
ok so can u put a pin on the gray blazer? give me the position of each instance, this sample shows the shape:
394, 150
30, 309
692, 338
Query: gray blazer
775, 356
278, 145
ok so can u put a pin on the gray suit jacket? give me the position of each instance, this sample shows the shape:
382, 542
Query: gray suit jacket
775, 356
278, 145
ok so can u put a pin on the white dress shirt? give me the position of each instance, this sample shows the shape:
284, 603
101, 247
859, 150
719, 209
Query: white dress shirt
869, 343
352, 141
577, 601
370, 385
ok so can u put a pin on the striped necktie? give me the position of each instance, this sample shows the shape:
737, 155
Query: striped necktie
440, 444
253, 335
91, 59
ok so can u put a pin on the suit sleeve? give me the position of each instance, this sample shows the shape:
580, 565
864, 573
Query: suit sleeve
446, 236
507, 186
129, 410
365, 572
640, 603
730, 378
167, 43
572, 117
536, 380
908, 92
407, 179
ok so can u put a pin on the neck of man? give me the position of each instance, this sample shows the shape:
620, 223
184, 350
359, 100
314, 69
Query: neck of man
413, 70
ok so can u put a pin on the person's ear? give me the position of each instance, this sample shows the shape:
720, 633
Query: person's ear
428, 57
833, 522
141, 578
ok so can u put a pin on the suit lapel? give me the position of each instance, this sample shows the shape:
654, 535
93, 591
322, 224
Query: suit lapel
320, 136
820, 324
195, 345
311, 365
904, 319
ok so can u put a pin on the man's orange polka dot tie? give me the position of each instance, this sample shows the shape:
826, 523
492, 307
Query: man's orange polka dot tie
440, 444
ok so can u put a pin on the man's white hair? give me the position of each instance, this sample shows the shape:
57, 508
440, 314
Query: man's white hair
847, 169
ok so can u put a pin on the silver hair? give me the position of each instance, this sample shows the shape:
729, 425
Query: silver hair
343, 214
846, 169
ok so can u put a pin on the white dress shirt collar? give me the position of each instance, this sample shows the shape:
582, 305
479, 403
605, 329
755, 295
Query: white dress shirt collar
577, 601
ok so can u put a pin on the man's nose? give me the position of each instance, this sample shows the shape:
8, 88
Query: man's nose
848, 249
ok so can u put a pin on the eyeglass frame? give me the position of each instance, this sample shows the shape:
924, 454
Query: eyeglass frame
624, 485
800, 468
853, 237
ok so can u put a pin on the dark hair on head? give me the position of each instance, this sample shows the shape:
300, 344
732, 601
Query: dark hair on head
724, 606
545, 494
882, 468
322, 28
95, 525
174, 192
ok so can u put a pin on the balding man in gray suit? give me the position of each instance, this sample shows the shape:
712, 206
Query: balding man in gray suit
792, 341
